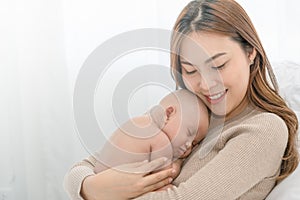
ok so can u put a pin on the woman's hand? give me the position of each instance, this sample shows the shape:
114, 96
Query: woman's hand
165, 188
129, 181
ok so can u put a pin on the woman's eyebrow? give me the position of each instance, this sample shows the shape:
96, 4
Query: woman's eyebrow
185, 62
214, 57
207, 61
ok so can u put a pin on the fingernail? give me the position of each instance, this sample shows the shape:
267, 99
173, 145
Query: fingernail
173, 171
165, 159
170, 180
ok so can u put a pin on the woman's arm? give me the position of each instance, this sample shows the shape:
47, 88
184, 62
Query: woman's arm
81, 181
75, 176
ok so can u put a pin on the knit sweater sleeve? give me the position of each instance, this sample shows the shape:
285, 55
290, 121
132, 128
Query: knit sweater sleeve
253, 153
74, 178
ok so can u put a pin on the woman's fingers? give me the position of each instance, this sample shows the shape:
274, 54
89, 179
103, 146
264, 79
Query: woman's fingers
157, 180
153, 165
131, 167
176, 165
143, 167
157, 185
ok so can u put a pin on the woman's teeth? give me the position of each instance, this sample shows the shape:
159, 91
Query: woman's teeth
216, 96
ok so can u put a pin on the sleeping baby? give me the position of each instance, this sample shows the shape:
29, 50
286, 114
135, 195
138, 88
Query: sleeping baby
166, 130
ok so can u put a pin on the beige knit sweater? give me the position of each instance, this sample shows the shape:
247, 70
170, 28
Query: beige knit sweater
240, 163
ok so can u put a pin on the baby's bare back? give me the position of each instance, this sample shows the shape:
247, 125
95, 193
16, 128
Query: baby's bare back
134, 141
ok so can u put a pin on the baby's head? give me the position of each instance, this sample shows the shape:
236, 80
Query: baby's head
185, 120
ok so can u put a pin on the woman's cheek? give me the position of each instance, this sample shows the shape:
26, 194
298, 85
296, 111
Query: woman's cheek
189, 85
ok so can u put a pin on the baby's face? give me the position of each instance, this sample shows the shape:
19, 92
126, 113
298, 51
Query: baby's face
183, 131
182, 138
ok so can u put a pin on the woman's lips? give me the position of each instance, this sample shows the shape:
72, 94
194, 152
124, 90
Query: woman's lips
216, 98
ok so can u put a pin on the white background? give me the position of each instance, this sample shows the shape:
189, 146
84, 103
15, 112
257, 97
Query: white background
43, 45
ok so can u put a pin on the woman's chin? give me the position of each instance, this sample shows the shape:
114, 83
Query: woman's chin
218, 113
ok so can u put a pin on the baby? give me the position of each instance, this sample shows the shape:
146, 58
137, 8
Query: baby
167, 130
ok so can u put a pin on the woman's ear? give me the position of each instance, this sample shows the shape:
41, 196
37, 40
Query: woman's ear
252, 55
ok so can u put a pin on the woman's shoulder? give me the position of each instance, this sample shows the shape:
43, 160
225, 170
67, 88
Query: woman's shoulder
253, 126
263, 120
254, 121
258, 117
258, 123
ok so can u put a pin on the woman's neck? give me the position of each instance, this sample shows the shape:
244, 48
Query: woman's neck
244, 103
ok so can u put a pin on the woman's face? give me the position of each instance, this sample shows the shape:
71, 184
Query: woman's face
217, 69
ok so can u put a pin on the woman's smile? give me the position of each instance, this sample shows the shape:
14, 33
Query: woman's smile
216, 98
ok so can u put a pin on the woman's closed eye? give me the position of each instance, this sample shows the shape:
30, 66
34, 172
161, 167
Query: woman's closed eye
190, 72
219, 67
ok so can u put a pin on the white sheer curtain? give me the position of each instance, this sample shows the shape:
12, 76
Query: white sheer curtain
43, 45
36, 120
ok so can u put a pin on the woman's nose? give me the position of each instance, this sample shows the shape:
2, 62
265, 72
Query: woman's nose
206, 83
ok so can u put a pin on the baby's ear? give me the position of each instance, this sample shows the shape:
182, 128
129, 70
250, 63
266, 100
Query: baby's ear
170, 111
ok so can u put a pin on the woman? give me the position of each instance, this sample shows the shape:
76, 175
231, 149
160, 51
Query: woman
257, 146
